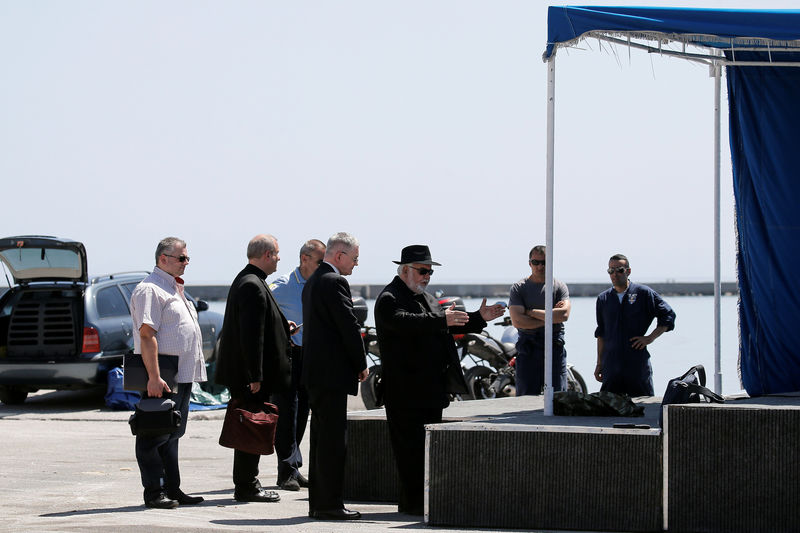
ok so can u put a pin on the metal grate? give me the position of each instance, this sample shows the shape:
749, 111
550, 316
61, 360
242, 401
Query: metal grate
42, 328
370, 470
545, 480
733, 469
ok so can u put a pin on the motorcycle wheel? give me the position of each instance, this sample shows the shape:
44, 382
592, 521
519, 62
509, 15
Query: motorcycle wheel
575, 381
478, 381
371, 393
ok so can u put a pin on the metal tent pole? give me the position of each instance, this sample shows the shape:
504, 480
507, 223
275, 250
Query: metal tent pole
717, 252
548, 291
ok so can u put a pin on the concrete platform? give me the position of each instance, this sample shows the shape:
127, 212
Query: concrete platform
502, 463
733, 467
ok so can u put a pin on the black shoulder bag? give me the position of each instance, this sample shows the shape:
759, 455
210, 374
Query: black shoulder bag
689, 388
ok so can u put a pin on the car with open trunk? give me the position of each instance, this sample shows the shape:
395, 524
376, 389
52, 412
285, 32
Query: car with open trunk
58, 328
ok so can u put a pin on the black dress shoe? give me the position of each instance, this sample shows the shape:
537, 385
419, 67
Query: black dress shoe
184, 499
259, 495
301, 480
290, 484
335, 514
161, 502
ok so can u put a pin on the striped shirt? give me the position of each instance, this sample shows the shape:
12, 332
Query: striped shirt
159, 302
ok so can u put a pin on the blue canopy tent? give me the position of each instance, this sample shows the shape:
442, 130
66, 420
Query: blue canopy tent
754, 46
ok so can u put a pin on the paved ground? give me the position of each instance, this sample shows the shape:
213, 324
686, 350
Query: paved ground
68, 465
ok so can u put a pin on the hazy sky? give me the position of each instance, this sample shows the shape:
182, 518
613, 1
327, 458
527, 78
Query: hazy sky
401, 122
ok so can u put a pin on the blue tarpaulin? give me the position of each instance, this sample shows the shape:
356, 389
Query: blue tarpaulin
764, 107
764, 116
707, 27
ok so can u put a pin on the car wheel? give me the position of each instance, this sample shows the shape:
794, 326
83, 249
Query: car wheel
12, 395
372, 389
575, 381
478, 381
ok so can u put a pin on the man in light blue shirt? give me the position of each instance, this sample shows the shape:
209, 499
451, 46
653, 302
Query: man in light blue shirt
293, 404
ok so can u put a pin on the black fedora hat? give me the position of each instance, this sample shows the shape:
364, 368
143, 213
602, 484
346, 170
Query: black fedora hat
416, 253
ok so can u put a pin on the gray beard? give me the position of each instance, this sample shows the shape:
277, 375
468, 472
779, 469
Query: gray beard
419, 288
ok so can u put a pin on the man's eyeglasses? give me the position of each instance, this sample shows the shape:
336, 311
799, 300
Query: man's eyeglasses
180, 258
422, 271
536, 262
355, 259
618, 270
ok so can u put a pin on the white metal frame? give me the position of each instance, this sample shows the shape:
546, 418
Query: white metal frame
712, 55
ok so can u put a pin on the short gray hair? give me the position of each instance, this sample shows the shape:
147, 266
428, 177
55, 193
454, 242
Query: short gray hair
168, 244
259, 245
340, 242
400, 268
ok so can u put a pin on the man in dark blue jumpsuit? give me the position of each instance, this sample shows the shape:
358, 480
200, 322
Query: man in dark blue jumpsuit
624, 312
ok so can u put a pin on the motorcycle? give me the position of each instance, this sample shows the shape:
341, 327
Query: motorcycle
493, 370
371, 388
488, 363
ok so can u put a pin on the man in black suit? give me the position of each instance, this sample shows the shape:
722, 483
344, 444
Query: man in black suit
334, 362
415, 336
254, 350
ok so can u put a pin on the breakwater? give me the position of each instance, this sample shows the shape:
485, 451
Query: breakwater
497, 290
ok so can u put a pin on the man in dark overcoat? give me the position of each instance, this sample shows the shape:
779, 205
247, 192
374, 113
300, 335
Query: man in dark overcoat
254, 351
420, 363
333, 363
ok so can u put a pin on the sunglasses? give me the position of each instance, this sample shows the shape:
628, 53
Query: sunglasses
536, 262
180, 258
422, 271
618, 270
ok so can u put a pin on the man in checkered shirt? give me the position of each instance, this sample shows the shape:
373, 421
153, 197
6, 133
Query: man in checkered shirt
165, 322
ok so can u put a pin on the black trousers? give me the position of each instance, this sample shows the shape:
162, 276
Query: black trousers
293, 408
328, 450
245, 465
158, 456
407, 432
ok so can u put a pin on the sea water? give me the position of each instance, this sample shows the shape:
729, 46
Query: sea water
672, 354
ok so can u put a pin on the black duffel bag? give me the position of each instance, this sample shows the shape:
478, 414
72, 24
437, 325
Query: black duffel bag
689, 388
155, 416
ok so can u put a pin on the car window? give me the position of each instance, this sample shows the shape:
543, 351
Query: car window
110, 303
127, 289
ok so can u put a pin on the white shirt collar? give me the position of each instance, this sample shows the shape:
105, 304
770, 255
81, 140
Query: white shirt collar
333, 267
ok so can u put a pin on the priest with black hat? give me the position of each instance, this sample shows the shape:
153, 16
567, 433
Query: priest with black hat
419, 362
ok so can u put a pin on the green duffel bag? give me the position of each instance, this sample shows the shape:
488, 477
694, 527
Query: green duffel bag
573, 403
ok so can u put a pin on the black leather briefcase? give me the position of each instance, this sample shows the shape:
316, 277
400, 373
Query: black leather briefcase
134, 373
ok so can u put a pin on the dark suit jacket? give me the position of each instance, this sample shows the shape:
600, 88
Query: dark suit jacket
418, 354
333, 351
254, 342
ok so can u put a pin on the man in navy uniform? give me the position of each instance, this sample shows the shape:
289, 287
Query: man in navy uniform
624, 312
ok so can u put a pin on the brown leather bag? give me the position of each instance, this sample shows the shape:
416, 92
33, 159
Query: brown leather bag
250, 427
